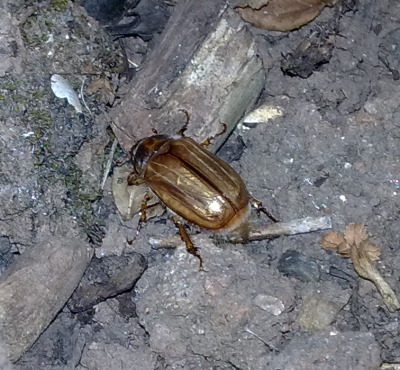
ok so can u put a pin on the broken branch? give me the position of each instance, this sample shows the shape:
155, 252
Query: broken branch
300, 226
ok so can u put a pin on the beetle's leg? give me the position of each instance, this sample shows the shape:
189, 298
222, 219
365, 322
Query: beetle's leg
190, 247
143, 213
208, 141
134, 179
260, 208
181, 132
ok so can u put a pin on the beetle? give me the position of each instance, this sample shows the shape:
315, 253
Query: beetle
193, 183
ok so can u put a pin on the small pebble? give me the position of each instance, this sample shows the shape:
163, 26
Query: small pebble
269, 303
296, 265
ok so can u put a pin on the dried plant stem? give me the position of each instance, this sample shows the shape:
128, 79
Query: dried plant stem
299, 226
109, 163
367, 270
83, 97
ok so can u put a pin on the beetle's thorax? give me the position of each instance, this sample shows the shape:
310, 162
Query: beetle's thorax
144, 149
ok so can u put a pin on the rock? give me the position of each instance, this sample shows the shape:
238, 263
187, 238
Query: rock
224, 310
321, 305
35, 288
294, 264
328, 350
107, 277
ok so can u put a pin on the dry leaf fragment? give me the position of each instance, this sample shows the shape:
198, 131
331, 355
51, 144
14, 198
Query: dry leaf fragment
344, 250
309, 55
129, 198
62, 89
336, 241
331, 240
354, 244
371, 250
104, 87
281, 15
355, 234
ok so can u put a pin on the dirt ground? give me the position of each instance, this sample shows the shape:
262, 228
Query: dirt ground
279, 304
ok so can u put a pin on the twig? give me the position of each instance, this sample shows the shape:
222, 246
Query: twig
299, 226
83, 97
367, 270
109, 163
270, 346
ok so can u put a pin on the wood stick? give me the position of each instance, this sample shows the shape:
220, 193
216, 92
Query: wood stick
206, 62
299, 226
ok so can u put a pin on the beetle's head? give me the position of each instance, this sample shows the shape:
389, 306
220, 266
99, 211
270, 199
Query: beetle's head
144, 149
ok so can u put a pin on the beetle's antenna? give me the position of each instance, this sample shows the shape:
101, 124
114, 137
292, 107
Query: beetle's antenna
209, 140
260, 208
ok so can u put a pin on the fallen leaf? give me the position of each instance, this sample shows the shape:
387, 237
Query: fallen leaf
355, 234
309, 56
128, 198
281, 15
103, 86
263, 114
344, 250
62, 89
372, 251
332, 240
354, 244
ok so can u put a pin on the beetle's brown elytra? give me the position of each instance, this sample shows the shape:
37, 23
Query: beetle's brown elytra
193, 183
